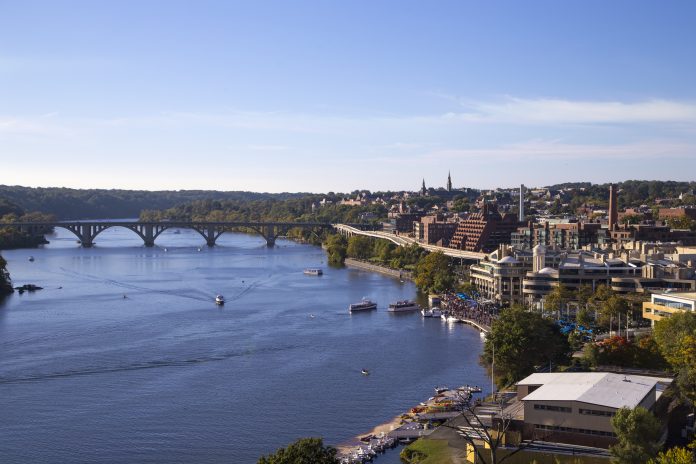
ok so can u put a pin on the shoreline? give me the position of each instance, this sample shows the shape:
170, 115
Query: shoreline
365, 266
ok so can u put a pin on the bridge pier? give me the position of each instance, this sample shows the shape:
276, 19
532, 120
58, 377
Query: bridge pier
148, 235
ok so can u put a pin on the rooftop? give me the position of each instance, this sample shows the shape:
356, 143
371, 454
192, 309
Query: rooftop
600, 388
691, 296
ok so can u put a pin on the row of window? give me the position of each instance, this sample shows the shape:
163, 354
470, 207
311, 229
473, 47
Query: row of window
556, 428
548, 407
594, 412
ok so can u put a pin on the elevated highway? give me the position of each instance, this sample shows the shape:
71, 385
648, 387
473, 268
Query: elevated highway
348, 230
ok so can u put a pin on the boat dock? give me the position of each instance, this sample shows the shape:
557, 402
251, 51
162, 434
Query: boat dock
418, 422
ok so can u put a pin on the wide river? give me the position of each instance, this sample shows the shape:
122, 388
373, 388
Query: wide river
124, 357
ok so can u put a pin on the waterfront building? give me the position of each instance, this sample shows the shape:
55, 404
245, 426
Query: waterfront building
484, 231
663, 305
577, 407
434, 229
512, 275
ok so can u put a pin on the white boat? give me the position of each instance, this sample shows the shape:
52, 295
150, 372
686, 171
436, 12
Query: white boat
443, 316
427, 312
313, 271
219, 300
405, 305
364, 372
436, 312
364, 305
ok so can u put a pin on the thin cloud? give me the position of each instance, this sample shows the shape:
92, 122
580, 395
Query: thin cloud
556, 111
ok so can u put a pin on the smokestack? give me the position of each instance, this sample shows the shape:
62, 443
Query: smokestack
613, 208
521, 218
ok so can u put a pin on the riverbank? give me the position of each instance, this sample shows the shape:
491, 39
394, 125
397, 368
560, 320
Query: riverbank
398, 273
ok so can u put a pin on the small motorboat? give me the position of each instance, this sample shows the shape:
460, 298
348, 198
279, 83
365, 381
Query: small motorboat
441, 389
364, 372
313, 272
31, 259
219, 300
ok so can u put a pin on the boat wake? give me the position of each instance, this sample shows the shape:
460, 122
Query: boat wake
153, 364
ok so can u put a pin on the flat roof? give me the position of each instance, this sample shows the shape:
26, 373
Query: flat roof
600, 388
683, 295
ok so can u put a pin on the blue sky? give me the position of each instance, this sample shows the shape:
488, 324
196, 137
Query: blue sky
329, 95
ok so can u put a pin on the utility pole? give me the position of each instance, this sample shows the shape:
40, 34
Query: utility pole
493, 370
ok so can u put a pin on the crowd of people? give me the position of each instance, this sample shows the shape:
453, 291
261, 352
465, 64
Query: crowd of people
466, 307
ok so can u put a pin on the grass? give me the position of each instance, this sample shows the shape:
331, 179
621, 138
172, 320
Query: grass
425, 451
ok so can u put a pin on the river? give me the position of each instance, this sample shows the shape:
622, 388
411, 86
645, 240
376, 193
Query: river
124, 357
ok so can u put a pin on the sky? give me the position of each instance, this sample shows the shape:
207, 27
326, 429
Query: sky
329, 95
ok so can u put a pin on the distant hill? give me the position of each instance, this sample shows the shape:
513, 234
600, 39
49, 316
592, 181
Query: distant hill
67, 203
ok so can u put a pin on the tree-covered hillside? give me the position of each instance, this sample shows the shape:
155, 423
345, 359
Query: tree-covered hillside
66, 203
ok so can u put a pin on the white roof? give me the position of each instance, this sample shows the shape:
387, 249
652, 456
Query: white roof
600, 388
508, 260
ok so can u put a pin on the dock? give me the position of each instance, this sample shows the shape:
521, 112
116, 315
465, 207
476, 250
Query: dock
419, 421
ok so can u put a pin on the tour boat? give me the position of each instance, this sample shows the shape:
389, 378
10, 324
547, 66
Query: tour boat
313, 271
219, 300
405, 305
364, 305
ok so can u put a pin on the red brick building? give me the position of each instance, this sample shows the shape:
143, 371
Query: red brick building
484, 231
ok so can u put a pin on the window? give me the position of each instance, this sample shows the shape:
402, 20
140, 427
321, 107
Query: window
556, 428
594, 412
548, 407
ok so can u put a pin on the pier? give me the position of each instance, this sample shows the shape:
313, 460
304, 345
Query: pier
419, 421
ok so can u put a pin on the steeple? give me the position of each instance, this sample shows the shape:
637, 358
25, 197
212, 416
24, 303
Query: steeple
449, 182
423, 190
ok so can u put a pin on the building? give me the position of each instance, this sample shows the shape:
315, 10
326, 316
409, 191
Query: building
567, 234
434, 230
577, 407
449, 182
484, 231
676, 213
512, 275
403, 222
665, 304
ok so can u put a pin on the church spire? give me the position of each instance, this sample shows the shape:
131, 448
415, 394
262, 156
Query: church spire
423, 190
449, 182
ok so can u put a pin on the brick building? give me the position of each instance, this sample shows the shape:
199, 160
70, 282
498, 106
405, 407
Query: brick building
484, 231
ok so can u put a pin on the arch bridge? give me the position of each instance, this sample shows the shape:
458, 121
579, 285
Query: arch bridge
87, 231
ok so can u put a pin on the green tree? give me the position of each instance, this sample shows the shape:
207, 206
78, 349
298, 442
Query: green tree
303, 451
434, 273
336, 248
557, 299
675, 455
523, 340
5, 282
637, 432
359, 247
676, 338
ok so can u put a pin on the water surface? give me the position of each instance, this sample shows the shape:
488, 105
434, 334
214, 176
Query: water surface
164, 375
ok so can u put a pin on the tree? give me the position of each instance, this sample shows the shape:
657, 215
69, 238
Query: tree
522, 341
557, 299
359, 247
303, 451
5, 282
676, 338
336, 248
637, 432
434, 273
675, 455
